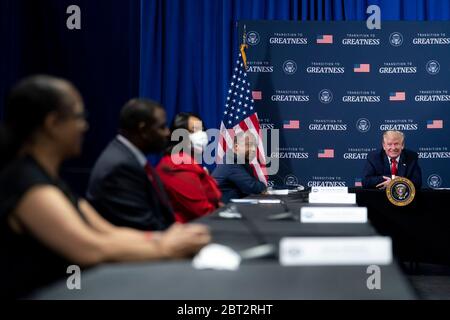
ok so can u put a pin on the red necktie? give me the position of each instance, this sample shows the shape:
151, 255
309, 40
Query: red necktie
394, 166
151, 174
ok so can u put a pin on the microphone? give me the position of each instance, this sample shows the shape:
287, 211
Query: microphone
285, 215
254, 230
264, 249
232, 212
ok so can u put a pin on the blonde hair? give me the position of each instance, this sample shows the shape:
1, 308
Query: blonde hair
394, 133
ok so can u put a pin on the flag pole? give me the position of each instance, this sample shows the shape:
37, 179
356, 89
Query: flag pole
244, 46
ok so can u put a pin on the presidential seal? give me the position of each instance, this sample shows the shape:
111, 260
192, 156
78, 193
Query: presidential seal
325, 96
396, 39
291, 180
253, 38
400, 191
289, 67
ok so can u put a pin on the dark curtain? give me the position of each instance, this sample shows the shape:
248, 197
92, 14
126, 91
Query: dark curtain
101, 59
187, 46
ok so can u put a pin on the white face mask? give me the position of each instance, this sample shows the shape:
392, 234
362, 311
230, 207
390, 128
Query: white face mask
199, 140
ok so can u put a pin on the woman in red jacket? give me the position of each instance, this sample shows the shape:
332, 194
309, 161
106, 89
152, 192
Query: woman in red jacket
193, 192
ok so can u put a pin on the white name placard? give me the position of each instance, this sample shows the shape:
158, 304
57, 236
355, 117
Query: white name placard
335, 251
333, 215
282, 192
332, 198
329, 189
256, 201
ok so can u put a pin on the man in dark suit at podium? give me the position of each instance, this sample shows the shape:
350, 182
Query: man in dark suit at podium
124, 187
394, 160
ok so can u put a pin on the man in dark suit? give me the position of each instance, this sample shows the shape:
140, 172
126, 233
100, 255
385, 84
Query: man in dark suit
123, 186
394, 160
235, 177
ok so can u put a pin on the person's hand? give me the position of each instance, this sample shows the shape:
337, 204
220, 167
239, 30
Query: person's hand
181, 241
384, 184
221, 204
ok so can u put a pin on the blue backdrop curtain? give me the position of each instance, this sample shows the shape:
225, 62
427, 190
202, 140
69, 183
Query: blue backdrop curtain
187, 46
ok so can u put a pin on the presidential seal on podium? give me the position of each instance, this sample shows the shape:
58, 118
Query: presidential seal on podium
400, 191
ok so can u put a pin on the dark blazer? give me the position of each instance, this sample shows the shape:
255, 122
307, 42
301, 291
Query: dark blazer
237, 181
120, 191
377, 166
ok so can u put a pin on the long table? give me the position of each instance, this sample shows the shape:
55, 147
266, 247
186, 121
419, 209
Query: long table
262, 278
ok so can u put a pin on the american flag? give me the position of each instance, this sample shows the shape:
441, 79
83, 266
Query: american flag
326, 153
257, 95
397, 96
364, 67
240, 116
358, 182
435, 124
325, 39
291, 124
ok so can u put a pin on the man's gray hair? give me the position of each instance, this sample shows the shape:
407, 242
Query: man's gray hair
241, 135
